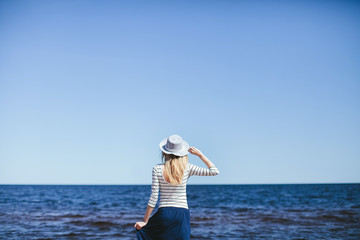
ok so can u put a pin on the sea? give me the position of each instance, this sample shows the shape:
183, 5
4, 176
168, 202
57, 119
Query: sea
286, 211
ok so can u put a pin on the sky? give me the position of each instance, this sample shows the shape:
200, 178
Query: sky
267, 90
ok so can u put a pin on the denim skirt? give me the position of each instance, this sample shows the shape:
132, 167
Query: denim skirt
167, 223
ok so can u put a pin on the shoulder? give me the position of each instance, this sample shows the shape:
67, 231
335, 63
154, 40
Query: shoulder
191, 166
157, 167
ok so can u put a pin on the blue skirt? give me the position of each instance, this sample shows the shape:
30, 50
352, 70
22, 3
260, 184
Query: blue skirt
167, 223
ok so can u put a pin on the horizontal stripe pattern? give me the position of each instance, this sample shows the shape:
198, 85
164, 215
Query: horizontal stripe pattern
174, 195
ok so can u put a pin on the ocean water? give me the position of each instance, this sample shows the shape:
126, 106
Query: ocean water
304, 211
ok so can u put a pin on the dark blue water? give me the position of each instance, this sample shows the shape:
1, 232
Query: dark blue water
315, 211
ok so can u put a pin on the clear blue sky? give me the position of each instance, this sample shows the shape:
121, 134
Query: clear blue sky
268, 90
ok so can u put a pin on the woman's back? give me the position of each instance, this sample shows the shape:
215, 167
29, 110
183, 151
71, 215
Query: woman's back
174, 195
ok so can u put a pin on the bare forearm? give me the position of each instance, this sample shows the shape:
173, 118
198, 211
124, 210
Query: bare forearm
148, 213
206, 161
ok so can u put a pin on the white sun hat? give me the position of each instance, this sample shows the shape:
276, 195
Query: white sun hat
174, 145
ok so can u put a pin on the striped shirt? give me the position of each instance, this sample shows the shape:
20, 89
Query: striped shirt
174, 195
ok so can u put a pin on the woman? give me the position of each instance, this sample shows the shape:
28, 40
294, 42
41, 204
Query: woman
172, 220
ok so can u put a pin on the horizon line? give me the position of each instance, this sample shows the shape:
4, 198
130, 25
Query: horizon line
147, 184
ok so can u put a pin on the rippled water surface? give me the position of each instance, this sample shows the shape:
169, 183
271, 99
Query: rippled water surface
313, 211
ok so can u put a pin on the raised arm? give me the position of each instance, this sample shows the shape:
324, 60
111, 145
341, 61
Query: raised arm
195, 170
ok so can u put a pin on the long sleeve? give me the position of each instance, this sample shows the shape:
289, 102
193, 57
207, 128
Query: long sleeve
196, 170
154, 188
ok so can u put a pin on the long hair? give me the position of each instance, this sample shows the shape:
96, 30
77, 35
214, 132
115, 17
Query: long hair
175, 167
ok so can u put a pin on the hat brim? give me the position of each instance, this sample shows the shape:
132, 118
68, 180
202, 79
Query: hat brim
182, 152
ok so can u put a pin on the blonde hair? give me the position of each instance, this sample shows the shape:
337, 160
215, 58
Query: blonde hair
175, 167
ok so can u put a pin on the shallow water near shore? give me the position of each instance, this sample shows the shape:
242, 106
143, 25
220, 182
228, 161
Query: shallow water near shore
299, 211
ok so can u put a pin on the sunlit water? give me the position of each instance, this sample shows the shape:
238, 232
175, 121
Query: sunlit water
314, 211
